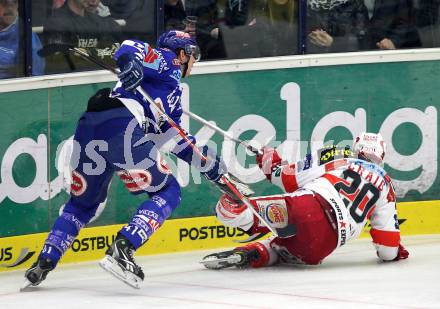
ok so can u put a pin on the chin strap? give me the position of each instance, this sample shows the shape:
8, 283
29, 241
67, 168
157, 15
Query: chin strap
185, 69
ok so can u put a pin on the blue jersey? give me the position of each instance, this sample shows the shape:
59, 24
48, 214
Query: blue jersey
161, 81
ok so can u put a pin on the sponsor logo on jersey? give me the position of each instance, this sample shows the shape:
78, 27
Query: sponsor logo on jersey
209, 232
176, 62
135, 180
6, 255
78, 185
274, 211
342, 225
276, 215
148, 213
331, 153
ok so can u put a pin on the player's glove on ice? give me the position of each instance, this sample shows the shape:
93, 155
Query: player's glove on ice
131, 73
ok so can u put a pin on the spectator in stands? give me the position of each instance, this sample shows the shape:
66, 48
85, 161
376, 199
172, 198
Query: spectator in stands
202, 22
174, 15
96, 6
335, 26
236, 13
137, 16
10, 43
390, 25
243, 28
122, 9
73, 24
283, 17
427, 22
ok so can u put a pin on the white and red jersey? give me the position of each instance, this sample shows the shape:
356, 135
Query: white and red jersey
357, 191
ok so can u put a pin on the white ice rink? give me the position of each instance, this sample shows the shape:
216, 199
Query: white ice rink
351, 278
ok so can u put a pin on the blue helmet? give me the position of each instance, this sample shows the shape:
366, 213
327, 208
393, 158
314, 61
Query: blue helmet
175, 40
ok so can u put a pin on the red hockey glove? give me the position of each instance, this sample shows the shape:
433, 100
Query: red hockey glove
268, 160
228, 208
402, 253
233, 214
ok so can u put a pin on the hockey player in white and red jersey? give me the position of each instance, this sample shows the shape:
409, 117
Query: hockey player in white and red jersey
329, 197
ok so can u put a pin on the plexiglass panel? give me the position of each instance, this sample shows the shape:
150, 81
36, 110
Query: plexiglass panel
98, 27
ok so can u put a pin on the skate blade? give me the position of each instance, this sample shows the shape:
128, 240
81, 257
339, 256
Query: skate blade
109, 264
211, 262
26, 286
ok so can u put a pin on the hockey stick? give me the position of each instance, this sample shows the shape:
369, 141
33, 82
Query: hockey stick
288, 231
222, 132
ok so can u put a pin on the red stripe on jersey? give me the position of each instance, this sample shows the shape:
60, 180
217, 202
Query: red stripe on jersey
331, 166
385, 238
334, 179
288, 178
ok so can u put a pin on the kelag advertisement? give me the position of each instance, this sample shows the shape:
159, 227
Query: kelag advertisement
295, 110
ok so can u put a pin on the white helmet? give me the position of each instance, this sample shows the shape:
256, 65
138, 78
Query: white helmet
370, 147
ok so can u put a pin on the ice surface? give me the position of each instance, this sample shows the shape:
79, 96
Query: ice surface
351, 278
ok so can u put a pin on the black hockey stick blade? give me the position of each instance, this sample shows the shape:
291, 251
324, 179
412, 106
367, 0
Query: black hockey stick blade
253, 237
51, 49
286, 232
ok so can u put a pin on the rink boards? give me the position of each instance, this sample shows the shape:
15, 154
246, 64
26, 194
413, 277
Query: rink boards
188, 234
300, 101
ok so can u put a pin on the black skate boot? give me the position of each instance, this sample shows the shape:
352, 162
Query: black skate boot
225, 259
119, 261
37, 272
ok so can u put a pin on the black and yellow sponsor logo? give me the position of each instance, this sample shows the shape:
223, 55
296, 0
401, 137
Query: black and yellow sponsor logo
331, 153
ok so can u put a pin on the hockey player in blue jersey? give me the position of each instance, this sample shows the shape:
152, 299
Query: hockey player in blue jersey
123, 135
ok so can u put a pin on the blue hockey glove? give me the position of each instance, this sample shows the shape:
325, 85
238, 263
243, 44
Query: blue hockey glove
131, 73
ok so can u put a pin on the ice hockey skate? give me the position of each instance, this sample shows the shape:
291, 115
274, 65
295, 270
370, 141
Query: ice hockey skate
37, 273
225, 259
119, 261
